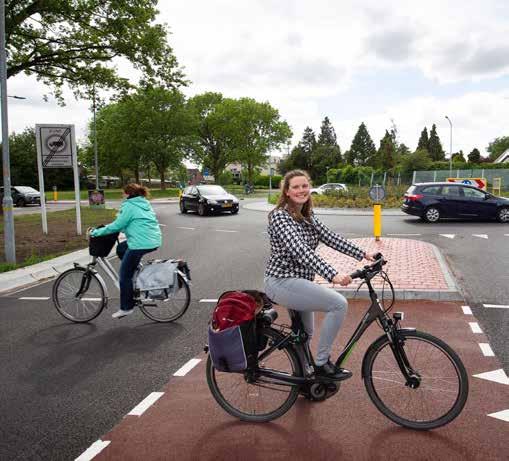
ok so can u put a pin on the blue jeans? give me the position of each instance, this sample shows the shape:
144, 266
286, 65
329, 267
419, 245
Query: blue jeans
130, 261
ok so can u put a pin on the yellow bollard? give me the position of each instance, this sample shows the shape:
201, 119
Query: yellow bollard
377, 221
55, 194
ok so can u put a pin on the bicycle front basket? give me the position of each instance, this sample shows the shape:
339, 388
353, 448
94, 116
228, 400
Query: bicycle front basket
101, 246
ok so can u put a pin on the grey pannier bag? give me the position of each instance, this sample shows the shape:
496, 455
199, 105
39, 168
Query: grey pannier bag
157, 279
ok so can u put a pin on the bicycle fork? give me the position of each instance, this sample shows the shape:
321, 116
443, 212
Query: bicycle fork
397, 343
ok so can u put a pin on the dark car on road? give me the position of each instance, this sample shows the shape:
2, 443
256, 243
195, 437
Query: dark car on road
23, 195
208, 199
436, 200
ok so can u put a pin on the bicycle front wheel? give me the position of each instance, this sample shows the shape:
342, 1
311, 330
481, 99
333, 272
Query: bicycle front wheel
437, 391
256, 398
170, 309
78, 295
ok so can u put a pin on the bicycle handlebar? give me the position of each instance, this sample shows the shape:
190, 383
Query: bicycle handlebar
370, 268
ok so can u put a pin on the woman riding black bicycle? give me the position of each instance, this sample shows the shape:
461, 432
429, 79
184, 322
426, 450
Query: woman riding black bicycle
294, 233
138, 221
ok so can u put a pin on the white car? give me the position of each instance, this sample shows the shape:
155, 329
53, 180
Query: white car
331, 186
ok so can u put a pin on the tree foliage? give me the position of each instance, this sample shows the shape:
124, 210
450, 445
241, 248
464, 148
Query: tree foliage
423, 140
75, 42
385, 157
435, 146
474, 156
362, 149
498, 147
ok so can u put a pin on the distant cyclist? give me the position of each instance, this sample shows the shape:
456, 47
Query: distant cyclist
294, 234
138, 221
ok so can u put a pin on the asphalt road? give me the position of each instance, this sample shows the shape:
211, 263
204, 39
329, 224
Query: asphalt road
65, 385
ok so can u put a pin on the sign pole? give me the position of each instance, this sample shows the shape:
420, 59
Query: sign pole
76, 180
40, 170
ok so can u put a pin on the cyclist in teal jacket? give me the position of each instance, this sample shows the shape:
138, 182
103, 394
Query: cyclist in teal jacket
138, 221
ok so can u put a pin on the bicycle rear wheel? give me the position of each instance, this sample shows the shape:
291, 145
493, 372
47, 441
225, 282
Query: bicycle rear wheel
433, 397
262, 399
170, 309
74, 305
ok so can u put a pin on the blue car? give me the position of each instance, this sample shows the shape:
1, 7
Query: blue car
436, 200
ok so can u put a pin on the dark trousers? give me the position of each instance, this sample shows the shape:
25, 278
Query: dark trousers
130, 260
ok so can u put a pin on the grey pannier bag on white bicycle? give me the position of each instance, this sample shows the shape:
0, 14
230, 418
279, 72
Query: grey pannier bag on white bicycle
157, 279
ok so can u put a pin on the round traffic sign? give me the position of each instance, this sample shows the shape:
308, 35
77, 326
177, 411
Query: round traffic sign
377, 193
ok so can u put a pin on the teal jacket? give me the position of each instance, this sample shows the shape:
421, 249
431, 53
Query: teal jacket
137, 220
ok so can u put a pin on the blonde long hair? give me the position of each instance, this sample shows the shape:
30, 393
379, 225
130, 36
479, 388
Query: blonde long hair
284, 203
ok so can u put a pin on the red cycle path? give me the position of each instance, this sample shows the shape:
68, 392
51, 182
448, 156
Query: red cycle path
187, 424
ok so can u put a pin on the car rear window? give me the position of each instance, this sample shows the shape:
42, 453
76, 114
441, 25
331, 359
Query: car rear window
431, 190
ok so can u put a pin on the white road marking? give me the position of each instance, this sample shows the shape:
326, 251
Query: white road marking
498, 376
34, 298
187, 228
208, 301
139, 409
224, 230
93, 450
507, 235
475, 327
449, 236
162, 225
187, 367
496, 306
91, 299
503, 415
481, 236
402, 235
466, 310
486, 350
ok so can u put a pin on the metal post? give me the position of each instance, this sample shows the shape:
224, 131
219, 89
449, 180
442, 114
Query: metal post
95, 148
9, 241
450, 147
270, 176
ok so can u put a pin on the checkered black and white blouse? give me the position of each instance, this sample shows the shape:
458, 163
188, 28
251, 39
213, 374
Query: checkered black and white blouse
293, 244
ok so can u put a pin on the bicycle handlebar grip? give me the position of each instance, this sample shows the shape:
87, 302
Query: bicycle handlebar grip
378, 256
357, 274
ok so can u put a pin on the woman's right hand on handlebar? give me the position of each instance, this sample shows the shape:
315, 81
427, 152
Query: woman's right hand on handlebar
342, 279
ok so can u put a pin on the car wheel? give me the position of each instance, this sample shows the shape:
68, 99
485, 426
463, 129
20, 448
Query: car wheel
201, 209
503, 215
235, 211
20, 202
182, 208
432, 214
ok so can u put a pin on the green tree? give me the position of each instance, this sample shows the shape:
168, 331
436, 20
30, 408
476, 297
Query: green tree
458, 157
74, 42
474, 156
386, 153
307, 145
497, 147
419, 160
423, 140
326, 154
362, 148
327, 136
435, 146
256, 130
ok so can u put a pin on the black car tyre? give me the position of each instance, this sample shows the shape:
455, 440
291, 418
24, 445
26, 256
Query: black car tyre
201, 209
20, 202
432, 214
235, 211
183, 209
503, 215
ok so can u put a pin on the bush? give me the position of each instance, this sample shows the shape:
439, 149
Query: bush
263, 181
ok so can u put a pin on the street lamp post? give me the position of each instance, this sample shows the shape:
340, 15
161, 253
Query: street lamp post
270, 175
95, 148
9, 242
450, 147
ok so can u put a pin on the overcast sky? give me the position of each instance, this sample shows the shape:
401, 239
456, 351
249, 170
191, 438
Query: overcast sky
354, 61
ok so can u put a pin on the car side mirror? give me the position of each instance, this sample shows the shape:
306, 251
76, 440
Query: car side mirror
487, 196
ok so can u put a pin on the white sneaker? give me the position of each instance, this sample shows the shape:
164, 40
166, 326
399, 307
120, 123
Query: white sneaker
120, 313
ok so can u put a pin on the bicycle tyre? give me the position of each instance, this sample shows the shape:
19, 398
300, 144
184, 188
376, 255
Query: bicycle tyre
236, 380
78, 310
170, 309
424, 363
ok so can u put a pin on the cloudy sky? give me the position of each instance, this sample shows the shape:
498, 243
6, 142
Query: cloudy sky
354, 61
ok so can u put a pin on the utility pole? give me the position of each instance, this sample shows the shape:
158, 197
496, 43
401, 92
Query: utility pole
9, 242
450, 148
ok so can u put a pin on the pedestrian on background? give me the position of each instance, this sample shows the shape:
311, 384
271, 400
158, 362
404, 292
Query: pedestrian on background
294, 233
138, 221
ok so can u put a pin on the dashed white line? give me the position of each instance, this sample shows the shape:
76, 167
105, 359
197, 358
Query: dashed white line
187, 367
496, 306
486, 350
466, 310
93, 450
139, 409
162, 225
208, 301
449, 236
34, 298
497, 376
503, 415
475, 327
224, 230
187, 228
481, 236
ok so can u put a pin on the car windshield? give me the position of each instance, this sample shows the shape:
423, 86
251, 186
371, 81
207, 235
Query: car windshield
211, 190
26, 189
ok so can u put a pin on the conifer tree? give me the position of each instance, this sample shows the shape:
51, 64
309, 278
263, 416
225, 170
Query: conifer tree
386, 153
474, 156
327, 136
423, 140
435, 146
362, 148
